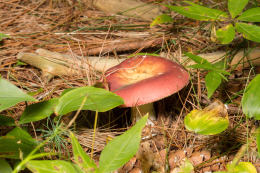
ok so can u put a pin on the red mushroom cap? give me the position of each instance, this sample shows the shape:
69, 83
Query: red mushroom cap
145, 79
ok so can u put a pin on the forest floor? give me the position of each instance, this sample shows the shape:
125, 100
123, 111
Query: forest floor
66, 26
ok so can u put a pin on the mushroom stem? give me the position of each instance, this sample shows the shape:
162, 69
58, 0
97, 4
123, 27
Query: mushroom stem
139, 111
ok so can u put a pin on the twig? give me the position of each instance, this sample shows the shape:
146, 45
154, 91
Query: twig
125, 46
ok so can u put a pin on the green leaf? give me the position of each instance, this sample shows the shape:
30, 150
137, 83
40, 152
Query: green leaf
209, 67
16, 144
66, 90
11, 95
164, 18
251, 99
97, 99
2, 36
250, 32
235, 7
52, 166
80, 157
38, 111
244, 167
226, 34
251, 15
258, 140
197, 59
209, 121
199, 12
122, 148
204, 64
5, 167
6, 121
212, 80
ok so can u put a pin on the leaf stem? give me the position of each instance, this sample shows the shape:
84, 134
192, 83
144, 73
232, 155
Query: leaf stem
94, 134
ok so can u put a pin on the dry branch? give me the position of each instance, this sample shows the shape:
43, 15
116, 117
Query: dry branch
59, 64
125, 46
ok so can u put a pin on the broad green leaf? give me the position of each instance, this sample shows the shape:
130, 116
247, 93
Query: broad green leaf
199, 12
80, 156
251, 99
251, 15
244, 167
11, 95
2, 36
212, 80
235, 7
21, 134
66, 90
5, 167
226, 34
96, 99
52, 166
122, 148
164, 18
204, 64
38, 111
209, 121
6, 121
250, 32
197, 59
258, 140
208, 67
16, 144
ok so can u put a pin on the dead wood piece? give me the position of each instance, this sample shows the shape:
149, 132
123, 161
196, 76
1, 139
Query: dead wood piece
133, 8
125, 46
56, 64
59, 64
46, 65
97, 63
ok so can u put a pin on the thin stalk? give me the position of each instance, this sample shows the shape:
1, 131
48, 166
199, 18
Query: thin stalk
77, 113
94, 134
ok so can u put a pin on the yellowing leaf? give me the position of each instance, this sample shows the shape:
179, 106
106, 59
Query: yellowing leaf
164, 18
209, 121
226, 34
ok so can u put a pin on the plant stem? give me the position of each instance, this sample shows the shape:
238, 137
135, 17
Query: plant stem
94, 134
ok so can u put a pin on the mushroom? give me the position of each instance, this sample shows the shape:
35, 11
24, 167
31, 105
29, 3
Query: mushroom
142, 80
